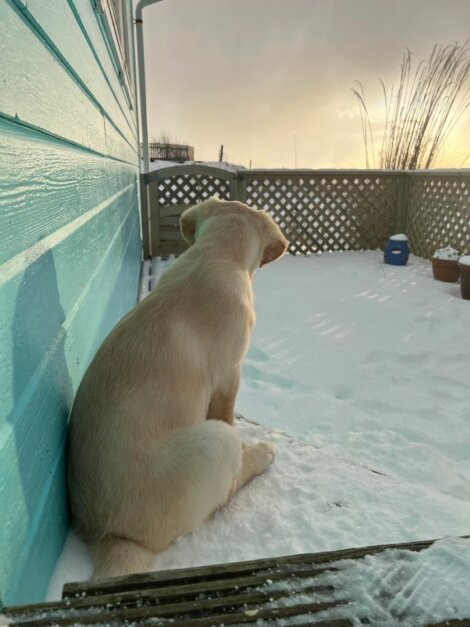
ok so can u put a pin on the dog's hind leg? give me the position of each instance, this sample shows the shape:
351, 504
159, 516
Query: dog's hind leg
191, 473
183, 480
255, 459
201, 464
205, 465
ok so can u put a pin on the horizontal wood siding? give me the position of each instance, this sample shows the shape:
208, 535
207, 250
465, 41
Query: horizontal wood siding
40, 90
69, 258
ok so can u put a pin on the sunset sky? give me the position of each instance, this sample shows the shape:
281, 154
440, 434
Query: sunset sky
271, 79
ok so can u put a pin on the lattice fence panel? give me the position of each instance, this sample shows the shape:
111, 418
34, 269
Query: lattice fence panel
175, 194
189, 189
333, 210
439, 213
328, 212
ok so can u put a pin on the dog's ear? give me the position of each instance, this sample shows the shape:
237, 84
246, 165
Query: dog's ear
193, 217
188, 226
274, 250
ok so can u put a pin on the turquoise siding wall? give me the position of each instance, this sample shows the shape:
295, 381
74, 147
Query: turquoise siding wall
69, 257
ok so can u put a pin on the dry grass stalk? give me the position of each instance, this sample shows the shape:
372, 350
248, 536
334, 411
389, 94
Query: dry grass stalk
422, 112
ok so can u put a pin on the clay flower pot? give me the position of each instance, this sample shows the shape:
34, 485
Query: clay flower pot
445, 270
445, 266
464, 264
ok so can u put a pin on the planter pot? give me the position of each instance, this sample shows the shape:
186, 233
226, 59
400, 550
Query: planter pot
465, 278
445, 270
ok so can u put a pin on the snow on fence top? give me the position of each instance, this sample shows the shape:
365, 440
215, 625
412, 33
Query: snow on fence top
323, 210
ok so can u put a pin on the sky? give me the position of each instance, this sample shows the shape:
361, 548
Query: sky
271, 79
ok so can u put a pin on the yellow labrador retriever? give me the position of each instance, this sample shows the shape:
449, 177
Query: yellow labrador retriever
152, 450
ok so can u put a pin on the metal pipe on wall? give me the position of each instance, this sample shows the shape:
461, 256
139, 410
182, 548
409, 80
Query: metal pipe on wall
142, 86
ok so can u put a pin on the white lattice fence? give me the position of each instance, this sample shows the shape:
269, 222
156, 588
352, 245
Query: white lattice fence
189, 189
172, 190
439, 213
324, 210
327, 212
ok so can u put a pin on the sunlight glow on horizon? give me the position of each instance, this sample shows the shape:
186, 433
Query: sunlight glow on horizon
255, 74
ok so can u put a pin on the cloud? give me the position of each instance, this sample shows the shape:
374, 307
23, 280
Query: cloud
251, 73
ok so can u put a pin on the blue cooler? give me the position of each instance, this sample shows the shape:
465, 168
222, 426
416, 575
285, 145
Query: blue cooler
397, 250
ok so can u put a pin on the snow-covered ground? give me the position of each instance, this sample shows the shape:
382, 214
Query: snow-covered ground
359, 373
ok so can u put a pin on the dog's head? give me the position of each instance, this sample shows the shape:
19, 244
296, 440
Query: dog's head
192, 219
243, 229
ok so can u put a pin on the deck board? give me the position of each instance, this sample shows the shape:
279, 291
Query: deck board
221, 594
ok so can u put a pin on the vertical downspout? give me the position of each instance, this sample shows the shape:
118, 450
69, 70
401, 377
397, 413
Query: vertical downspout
142, 88
145, 167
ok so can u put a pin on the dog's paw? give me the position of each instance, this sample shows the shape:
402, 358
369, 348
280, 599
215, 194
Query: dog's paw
264, 455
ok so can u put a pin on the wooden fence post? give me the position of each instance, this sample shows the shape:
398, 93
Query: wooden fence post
238, 186
145, 217
242, 185
154, 218
403, 200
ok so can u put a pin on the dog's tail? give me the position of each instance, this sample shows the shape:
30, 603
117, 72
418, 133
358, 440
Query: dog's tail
113, 556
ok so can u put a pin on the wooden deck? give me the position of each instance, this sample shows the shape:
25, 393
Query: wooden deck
226, 594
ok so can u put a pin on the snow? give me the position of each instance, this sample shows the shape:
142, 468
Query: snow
448, 253
358, 373
396, 587
399, 237
465, 261
158, 164
405, 588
